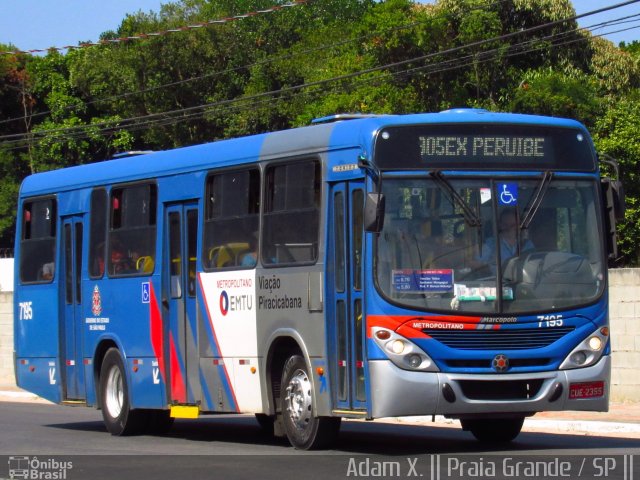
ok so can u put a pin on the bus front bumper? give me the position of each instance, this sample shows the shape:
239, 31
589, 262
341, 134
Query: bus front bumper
396, 392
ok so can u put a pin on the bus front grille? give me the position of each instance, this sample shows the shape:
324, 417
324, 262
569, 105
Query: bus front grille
486, 362
500, 389
499, 339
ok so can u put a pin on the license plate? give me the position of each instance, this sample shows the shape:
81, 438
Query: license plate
586, 390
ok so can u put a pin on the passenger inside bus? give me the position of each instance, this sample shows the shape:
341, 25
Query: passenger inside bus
48, 269
508, 239
118, 257
250, 257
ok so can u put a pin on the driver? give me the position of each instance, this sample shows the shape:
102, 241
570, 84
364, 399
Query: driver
508, 240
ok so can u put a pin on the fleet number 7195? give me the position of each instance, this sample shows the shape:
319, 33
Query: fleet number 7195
546, 321
26, 312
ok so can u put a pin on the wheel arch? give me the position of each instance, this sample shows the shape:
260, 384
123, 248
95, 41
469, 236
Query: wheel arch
282, 345
104, 345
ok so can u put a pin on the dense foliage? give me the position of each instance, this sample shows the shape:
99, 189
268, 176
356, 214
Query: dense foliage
278, 70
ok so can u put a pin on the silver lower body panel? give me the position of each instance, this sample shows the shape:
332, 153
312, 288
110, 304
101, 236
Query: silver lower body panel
396, 392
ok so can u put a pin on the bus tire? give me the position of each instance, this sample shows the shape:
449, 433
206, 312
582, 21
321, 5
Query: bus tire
117, 414
494, 430
304, 430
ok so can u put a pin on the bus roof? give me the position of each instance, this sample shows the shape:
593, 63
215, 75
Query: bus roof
347, 131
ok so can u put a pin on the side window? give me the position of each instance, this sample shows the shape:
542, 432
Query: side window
232, 219
291, 214
132, 230
97, 233
38, 242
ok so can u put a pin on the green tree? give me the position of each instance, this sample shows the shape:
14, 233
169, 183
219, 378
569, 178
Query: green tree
554, 93
69, 135
17, 106
616, 134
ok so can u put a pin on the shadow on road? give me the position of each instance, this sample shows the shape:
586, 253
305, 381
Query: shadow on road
357, 437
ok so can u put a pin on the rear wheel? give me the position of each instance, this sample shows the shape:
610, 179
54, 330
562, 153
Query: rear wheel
494, 430
117, 414
304, 430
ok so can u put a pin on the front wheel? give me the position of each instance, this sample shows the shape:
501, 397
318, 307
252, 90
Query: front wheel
304, 430
117, 414
494, 430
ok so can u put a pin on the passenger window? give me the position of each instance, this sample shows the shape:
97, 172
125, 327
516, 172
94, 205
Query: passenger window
232, 219
38, 242
98, 233
132, 232
291, 214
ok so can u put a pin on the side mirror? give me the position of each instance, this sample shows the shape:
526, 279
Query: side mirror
613, 190
614, 208
374, 212
619, 202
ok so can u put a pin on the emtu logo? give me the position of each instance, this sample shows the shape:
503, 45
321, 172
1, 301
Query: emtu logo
224, 303
235, 303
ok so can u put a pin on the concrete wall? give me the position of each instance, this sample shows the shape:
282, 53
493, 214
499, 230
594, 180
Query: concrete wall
6, 274
625, 335
6, 339
624, 302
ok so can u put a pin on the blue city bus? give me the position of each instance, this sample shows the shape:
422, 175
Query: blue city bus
452, 263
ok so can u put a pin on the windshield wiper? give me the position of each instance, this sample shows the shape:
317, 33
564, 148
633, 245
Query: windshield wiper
536, 200
469, 215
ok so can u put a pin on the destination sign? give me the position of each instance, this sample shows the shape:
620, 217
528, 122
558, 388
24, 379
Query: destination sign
527, 147
483, 147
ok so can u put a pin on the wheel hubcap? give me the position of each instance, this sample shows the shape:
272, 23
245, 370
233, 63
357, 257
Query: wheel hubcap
115, 393
298, 399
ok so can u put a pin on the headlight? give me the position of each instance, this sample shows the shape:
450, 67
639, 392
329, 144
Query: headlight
402, 352
588, 351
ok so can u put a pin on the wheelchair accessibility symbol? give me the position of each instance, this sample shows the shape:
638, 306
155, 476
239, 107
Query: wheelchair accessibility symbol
508, 193
146, 292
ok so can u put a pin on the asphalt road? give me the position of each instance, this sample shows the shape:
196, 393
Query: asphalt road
72, 443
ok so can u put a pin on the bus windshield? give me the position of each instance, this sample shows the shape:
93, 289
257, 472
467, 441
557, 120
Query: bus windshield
490, 246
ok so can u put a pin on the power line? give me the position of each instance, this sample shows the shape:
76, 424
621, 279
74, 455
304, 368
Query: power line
145, 36
241, 104
201, 110
243, 67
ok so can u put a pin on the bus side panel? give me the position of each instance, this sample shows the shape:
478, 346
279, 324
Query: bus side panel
40, 376
89, 383
283, 307
35, 325
217, 394
229, 355
145, 383
125, 309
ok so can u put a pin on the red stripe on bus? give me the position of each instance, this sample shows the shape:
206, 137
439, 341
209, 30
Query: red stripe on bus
411, 326
157, 343
178, 389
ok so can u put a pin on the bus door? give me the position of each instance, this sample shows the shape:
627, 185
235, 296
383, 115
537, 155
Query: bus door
179, 297
72, 321
347, 322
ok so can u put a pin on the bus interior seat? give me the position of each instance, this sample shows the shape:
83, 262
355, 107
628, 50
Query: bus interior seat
145, 264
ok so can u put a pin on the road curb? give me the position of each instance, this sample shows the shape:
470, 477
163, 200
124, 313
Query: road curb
534, 424
581, 426
20, 396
